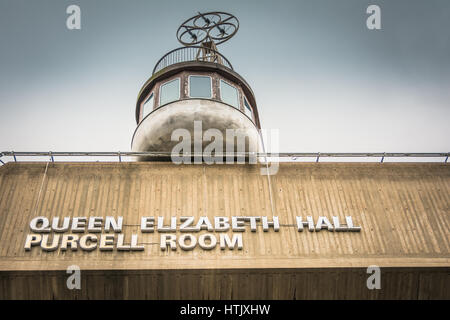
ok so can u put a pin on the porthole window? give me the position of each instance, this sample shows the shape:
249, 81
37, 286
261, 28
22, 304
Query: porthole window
148, 105
229, 94
169, 91
200, 87
248, 109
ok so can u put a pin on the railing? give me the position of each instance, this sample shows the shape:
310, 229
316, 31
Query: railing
191, 53
293, 156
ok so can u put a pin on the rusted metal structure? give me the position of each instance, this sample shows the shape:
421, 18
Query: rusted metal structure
196, 83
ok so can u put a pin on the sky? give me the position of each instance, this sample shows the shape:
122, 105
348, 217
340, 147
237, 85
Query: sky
320, 76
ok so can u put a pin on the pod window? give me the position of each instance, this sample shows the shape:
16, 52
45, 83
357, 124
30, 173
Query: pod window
169, 91
229, 94
200, 87
148, 105
248, 109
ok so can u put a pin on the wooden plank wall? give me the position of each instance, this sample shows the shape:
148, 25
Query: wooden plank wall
286, 284
403, 209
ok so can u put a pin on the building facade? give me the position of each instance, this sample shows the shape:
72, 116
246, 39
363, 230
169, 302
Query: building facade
401, 208
154, 229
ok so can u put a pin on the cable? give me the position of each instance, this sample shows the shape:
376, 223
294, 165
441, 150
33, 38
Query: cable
40, 189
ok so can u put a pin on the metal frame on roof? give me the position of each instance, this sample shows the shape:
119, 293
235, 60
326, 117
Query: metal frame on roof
269, 156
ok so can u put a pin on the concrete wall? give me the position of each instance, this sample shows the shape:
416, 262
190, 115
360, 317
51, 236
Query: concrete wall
403, 209
154, 133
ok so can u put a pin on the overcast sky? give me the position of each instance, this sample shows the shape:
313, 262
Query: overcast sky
319, 75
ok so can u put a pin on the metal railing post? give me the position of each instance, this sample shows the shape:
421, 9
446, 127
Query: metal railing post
185, 54
291, 155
